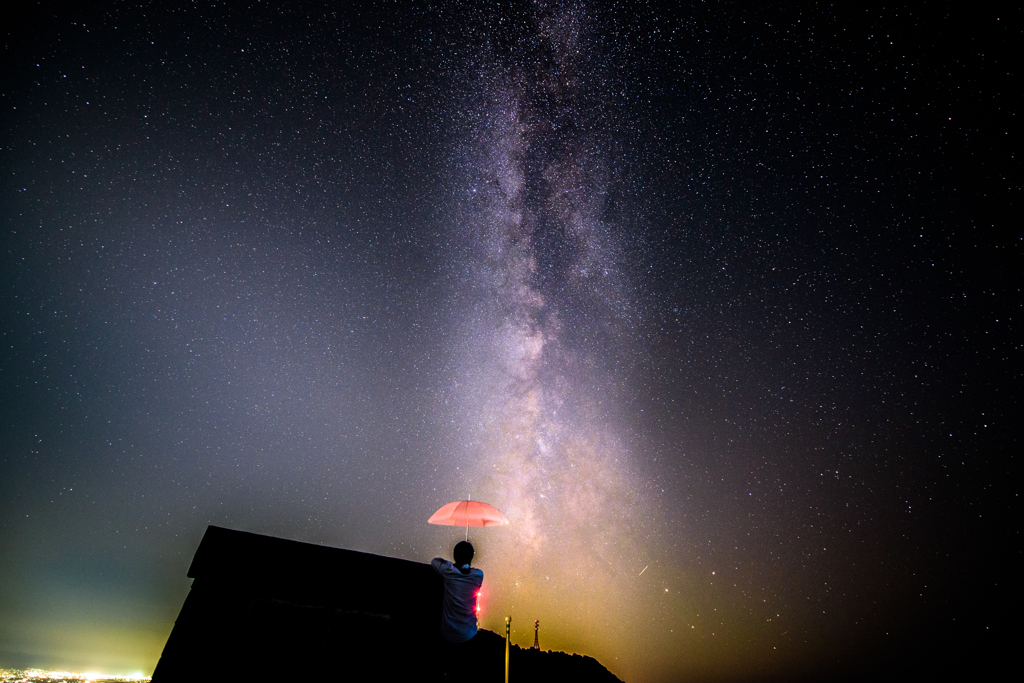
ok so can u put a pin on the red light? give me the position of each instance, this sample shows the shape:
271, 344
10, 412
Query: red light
478, 602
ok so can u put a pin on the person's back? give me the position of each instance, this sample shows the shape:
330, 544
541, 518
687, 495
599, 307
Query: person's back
461, 586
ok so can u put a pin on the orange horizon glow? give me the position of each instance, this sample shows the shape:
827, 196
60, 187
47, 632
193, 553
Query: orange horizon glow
54, 675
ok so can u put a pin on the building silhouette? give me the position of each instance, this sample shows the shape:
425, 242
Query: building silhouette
264, 609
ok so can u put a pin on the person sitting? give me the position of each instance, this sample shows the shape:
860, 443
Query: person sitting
461, 585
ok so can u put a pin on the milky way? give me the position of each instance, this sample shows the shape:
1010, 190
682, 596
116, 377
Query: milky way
547, 329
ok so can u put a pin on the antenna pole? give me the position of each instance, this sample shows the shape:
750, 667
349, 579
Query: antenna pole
508, 624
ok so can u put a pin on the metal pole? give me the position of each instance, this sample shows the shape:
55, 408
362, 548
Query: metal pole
508, 624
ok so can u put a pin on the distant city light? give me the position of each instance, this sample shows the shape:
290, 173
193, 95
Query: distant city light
41, 676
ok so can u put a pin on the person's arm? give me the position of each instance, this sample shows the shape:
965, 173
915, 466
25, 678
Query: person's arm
441, 565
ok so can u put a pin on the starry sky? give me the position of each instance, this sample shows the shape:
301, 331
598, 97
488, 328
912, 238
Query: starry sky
719, 303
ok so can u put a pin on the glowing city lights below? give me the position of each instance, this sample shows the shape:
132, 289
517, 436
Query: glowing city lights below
39, 675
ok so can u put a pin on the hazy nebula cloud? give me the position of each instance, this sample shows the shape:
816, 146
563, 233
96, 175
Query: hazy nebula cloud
546, 286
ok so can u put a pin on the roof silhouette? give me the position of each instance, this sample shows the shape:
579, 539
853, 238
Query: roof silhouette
270, 609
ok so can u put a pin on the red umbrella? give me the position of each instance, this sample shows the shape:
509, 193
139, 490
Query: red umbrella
468, 513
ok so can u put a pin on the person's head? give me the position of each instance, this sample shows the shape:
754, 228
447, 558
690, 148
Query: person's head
463, 553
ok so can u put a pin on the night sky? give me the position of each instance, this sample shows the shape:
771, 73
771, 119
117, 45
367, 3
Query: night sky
719, 304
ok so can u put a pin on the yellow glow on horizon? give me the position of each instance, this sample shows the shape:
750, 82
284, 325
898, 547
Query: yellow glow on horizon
90, 646
47, 675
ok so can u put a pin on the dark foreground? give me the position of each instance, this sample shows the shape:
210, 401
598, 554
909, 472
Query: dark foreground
269, 609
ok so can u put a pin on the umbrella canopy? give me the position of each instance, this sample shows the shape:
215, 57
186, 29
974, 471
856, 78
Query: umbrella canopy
468, 513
